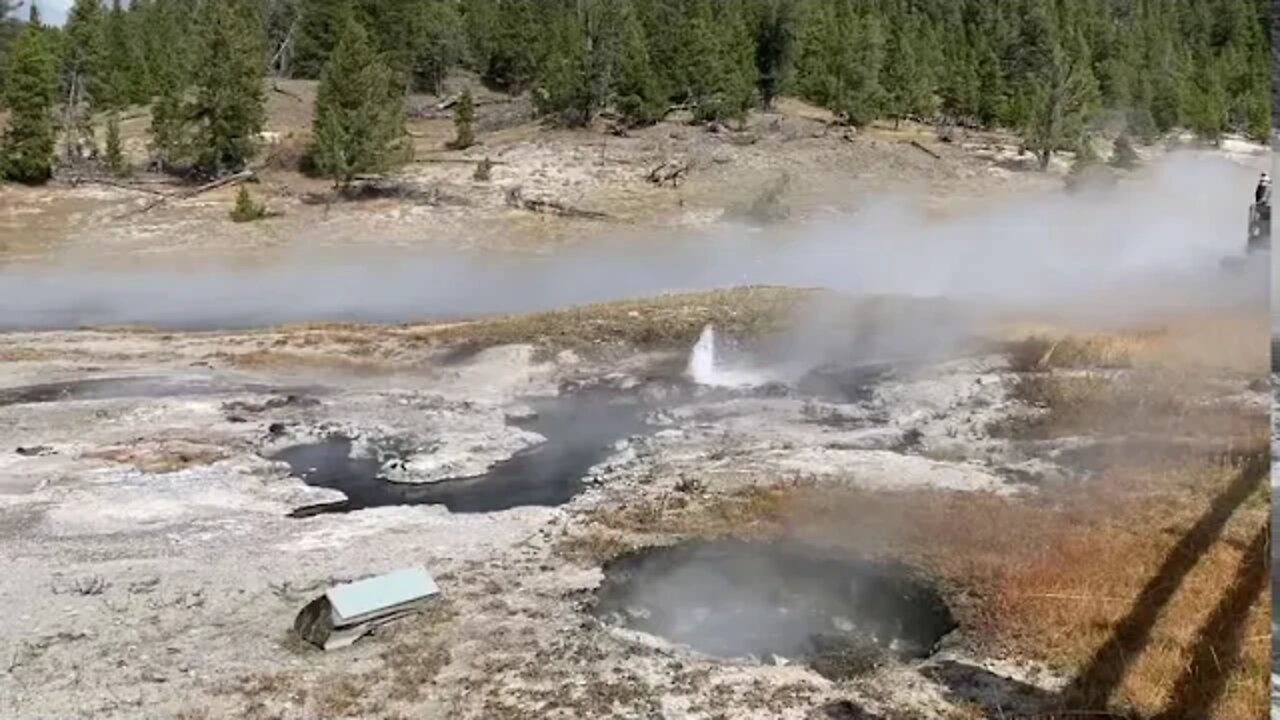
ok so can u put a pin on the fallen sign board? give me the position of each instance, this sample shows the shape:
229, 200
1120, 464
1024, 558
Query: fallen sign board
348, 612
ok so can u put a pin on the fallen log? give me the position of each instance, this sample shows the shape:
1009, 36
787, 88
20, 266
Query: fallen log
916, 144
516, 199
136, 187
276, 88
235, 179
455, 161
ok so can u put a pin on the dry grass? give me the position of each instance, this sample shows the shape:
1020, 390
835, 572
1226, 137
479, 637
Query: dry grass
1146, 584
663, 322
1160, 403
337, 361
757, 511
1232, 342
1053, 581
161, 456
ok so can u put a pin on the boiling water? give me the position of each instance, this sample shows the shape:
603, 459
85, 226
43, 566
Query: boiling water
705, 367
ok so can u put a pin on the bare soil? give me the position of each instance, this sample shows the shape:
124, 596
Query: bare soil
822, 167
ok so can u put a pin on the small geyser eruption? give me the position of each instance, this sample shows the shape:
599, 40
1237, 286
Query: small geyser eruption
707, 367
702, 361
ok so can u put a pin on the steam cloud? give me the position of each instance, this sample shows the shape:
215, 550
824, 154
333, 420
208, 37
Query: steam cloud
1145, 246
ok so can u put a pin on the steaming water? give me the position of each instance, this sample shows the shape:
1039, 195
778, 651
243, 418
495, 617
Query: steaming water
739, 599
705, 366
1149, 245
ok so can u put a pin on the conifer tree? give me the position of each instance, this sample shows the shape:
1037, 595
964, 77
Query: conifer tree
26, 151
1059, 96
1204, 102
774, 24
316, 35
228, 111
637, 89
125, 69
722, 78
86, 65
909, 91
563, 92
359, 117
8, 31
114, 152
512, 46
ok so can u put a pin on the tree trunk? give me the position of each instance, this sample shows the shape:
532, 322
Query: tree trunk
1045, 155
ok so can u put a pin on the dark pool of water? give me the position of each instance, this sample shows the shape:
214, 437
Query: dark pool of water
737, 599
581, 430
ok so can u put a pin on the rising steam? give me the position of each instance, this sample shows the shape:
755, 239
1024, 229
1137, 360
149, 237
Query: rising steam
1151, 244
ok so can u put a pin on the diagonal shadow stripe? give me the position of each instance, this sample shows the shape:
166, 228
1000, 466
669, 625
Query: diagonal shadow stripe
1220, 640
1093, 687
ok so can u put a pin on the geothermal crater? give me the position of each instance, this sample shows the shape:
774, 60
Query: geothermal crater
779, 601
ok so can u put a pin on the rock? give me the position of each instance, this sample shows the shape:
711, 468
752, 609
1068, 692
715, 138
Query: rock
519, 413
36, 451
144, 585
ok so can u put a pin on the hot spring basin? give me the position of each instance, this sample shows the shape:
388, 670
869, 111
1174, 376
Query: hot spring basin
745, 600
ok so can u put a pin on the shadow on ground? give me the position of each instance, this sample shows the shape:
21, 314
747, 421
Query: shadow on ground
1216, 650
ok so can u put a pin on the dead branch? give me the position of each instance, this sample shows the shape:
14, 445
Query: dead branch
442, 109
668, 172
916, 144
455, 161
678, 107
279, 54
516, 199
135, 186
275, 87
235, 179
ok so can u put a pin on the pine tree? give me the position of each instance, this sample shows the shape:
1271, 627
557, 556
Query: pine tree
637, 89
168, 63
908, 89
1059, 97
245, 209
86, 65
8, 32
26, 152
316, 35
359, 117
723, 75
114, 152
562, 90
440, 44
774, 25
464, 115
228, 111
512, 47
124, 69
1204, 104
863, 97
